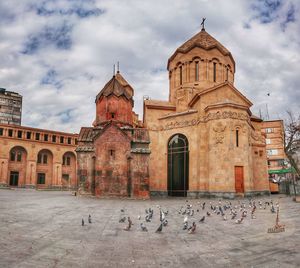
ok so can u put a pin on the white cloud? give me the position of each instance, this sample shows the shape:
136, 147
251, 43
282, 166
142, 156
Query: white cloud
142, 35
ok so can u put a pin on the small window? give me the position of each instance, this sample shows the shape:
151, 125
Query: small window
268, 141
227, 70
65, 177
19, 156
10, 132
69, 140
12, 156
269, 130
215, 71
28, 135
1, 131
37, 136
76, 141
61, 139
112, 154
197, 71
272, 152
54, 138
19, 134
269, 163
41, 178
46, 137
112, 115
180, 75
39, 160
237, 137
45, 159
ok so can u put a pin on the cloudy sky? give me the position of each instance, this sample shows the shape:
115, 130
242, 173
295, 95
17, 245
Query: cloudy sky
59, 54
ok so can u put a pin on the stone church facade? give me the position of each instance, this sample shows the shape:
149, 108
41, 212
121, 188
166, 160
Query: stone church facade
113, 155
204, 139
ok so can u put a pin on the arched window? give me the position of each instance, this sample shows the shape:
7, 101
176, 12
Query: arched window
197, 71
237, 138
215, 72
180, 75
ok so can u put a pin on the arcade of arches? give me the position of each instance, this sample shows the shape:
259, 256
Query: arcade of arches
37, 163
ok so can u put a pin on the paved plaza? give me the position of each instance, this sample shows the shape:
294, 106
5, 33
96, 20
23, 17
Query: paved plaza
43, 229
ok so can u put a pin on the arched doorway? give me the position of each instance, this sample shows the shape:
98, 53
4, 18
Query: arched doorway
178, 165
17, 166
44, 168
68, 170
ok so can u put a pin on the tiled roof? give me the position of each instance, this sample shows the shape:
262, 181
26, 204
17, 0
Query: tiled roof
117, 86
203, 40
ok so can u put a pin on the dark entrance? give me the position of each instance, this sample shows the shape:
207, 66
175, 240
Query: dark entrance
14, 178
178, 165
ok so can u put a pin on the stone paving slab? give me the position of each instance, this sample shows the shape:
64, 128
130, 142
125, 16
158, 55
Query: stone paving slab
43, 229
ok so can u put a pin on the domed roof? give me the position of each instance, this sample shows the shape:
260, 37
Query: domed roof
117, 86
202, 40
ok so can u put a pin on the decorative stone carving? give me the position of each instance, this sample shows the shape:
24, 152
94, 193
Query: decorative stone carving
219, 132
202, 119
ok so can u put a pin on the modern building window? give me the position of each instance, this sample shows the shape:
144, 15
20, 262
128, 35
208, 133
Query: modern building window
180, 75
19, 134
41, 178
272, 152
269, 130
268, 141
215, 72
28, 135
37, 136
10, 132
197, 71
53, 138
69, 140
46, 137
61, 139
1, 131
237, 137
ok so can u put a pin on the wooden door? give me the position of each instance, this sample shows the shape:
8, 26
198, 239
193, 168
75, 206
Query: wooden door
239, 179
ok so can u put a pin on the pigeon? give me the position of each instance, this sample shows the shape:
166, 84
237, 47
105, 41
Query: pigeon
192, 212
165, 222
90, 219
185, 219
143, 227
202, 219
207, 213
127, 228
122, 219
203, 206
159, 229
82, 222
239, 221
193, 228
233, 216
122, 210
185, 226
273, 209
148, 218
224, 218
139, 217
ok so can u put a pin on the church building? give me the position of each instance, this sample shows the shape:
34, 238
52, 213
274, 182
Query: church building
204, 139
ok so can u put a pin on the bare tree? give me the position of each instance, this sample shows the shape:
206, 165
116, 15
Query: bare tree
292, 140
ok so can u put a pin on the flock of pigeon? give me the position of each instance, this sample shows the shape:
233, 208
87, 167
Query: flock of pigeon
226, 211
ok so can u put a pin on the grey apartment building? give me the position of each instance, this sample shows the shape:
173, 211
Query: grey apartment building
10, 107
